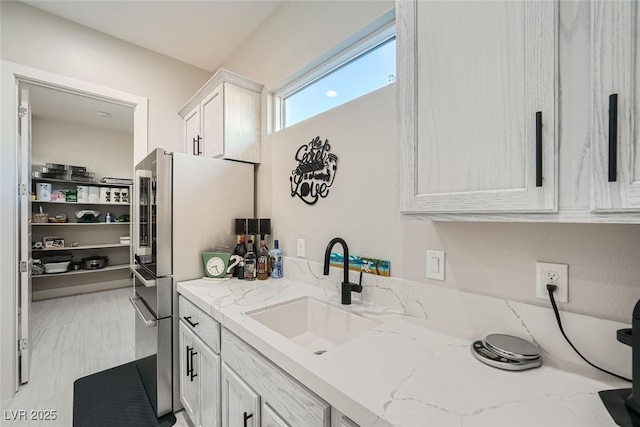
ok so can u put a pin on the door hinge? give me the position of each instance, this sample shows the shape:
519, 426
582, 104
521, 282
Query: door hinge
24, 265
22, 344
22, 190
22, 112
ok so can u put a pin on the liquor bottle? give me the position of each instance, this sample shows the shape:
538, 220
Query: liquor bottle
240, 249
275, 260
250, 263
263, 262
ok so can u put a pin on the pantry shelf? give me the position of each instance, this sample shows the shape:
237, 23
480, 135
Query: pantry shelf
80, 203
73, 248
92, 184
81, 271
78, 223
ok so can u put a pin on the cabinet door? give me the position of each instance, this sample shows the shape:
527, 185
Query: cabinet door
209, 397
346, 422
270, 418
212, 123
240, 404
192, 134
476, 105
616, 105
189, 379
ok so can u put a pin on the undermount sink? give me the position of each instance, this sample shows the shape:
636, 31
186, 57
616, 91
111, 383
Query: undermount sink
312, 324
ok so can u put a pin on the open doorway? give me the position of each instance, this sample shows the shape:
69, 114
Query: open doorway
76, 143
47, 127
76, 162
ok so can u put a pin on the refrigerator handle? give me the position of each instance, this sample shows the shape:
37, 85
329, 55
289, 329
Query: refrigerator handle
149, 323
149, 283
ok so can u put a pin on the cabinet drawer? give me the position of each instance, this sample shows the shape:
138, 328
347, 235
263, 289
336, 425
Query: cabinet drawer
201, 323
288, 398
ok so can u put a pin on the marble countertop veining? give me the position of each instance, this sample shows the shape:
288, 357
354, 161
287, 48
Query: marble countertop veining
402, 372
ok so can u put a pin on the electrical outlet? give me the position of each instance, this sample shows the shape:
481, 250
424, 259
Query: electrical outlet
435, 265
552, 274
301, 248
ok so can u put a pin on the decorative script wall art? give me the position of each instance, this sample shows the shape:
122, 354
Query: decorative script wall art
316, 171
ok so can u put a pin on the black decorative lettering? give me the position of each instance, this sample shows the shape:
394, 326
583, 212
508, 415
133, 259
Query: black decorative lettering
315, 173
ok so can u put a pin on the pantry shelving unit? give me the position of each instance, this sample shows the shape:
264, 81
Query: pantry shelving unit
95, 238
81, 271
53, 224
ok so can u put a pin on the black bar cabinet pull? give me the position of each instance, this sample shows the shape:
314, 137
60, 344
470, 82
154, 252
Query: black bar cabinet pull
192, 375
187, 358
187, 319
539, 149
197, 140
246, 418
613, 137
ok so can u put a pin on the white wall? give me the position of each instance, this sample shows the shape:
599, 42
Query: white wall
107, 153
40, 40
492, 259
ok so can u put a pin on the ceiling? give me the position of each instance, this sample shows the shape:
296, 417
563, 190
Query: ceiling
201, 33
67, 107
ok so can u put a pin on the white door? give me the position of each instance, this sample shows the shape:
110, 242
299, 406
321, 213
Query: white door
24, 306
240, 404
270, 418
476, 90
346, 422
209, 364
192, 134
189, 377
616, 105
213, 123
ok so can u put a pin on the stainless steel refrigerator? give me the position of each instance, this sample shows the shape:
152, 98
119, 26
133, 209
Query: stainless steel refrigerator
183, 205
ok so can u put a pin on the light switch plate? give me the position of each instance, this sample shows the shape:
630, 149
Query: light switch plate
301, 248
435, 265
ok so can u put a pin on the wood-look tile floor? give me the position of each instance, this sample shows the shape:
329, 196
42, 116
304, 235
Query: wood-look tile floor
73, 337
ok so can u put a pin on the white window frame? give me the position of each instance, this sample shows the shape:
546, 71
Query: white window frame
374, 34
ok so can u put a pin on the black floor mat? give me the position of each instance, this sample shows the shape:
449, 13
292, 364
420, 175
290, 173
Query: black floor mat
115, 397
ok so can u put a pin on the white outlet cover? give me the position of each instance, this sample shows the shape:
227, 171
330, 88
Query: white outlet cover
562, 293
435, 265
301, 248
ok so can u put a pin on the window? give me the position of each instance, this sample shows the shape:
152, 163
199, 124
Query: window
362, 67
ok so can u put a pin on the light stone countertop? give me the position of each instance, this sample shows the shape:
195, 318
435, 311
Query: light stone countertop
405, 372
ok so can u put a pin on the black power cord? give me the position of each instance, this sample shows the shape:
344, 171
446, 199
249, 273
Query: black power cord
552, 289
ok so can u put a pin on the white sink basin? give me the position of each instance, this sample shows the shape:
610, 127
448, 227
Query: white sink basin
314, 325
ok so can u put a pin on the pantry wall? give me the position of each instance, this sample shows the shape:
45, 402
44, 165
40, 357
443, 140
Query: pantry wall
67, 130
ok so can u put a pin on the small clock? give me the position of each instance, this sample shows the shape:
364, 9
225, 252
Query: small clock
214, 264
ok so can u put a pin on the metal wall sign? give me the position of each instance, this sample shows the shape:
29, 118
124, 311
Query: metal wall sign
315, 173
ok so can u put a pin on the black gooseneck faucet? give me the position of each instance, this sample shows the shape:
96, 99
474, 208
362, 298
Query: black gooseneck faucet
347, 287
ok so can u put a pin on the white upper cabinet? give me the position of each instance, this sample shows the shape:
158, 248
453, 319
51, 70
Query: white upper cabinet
223, 119
615, 75
477, 106
192, 138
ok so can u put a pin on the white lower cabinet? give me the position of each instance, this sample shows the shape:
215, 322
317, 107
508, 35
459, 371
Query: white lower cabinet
272, 396
340, 420
209, 396
346, 422
239, 387
188, 384
270, 418
240, 404
199, 379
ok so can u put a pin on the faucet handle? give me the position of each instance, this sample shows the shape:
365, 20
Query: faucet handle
358, 287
